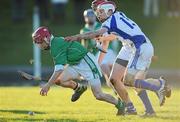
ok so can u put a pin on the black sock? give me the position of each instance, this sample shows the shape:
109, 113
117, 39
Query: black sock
77, 86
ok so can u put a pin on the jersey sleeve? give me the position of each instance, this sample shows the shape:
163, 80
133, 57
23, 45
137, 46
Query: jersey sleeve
105, 34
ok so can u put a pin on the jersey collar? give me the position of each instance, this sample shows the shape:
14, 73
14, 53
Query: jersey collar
52, 37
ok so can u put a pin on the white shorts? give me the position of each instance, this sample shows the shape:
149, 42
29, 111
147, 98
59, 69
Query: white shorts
125, 53
141, 59
88, 68
109, 58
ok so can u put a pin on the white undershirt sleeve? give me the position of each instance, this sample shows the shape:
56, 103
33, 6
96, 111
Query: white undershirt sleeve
58, 67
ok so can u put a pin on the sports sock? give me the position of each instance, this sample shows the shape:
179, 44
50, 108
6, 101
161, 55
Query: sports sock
130, 107
77, 87
146, 85
146, 102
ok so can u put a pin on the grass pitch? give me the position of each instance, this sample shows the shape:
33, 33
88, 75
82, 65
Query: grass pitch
16, 102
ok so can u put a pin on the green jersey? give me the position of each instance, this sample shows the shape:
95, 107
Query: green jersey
64, 52
90, 43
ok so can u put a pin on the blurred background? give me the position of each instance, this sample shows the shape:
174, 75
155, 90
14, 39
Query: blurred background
159, 19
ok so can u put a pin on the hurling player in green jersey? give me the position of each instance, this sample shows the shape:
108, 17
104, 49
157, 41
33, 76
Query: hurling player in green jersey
90, 25
72, 61
93, 46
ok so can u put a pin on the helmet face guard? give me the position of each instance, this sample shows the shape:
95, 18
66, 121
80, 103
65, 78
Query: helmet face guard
106, 6
44, 46
104, 10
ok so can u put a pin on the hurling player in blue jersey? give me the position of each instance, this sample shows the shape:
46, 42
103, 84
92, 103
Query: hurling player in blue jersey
135, 55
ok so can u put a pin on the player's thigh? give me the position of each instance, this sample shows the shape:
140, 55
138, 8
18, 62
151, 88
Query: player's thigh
119, 67
125, 53
68, 74
141, 60
109, 58
88, 68
117, 72
139, 64
145, 58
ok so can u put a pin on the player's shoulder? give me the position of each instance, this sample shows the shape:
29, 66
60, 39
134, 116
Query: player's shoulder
56, 40
119, 14
110, 18
122, 14
107, 22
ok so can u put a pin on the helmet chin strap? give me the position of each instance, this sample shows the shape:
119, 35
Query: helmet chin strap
47, 42
47, 48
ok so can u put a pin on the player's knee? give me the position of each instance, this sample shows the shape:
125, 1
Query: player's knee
129, 80
125, 93
113, 81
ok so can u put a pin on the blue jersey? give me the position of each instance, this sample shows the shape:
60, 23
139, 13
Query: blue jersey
127, 30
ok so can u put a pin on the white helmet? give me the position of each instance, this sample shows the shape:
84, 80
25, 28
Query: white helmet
106, 6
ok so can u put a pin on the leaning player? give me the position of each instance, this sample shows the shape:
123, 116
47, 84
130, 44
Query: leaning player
136, 43
78, 63
149, 111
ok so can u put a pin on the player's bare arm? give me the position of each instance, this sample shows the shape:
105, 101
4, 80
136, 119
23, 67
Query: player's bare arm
88, 35
105, 43
109, 38
45, 88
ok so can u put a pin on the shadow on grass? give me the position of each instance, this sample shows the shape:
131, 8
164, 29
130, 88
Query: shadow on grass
37, 120
22, 111
171, 112
168, 117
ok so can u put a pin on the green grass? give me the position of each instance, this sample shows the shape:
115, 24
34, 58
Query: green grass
16, 102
